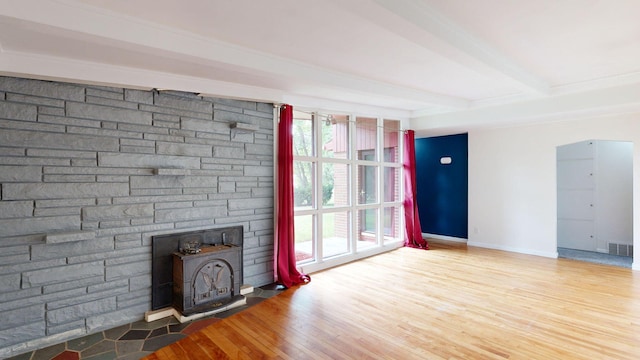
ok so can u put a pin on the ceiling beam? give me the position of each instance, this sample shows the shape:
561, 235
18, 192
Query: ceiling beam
419, 23
46, 67
99, 26
316, 104
620, 99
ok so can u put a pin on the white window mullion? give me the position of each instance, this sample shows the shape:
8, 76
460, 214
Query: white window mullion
379, 172
354, 183
317, 188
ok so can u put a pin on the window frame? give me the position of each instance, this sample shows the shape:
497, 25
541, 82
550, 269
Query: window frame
382, 242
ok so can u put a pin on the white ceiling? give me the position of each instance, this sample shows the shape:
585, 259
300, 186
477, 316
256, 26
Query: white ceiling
448, 65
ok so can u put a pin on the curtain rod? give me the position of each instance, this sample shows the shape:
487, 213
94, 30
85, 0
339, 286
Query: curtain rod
330, 116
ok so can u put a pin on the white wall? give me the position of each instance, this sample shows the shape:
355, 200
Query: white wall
512, 180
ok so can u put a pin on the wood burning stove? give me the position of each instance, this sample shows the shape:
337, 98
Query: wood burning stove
206, 279
197, 271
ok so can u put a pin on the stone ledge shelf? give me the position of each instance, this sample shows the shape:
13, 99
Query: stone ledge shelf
244, 127
70, 236
171, 172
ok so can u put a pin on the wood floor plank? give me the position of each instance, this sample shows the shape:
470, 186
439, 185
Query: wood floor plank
194, 351
231, 349
209, 347
450, 302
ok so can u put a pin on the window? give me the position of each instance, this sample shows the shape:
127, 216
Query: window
346, 187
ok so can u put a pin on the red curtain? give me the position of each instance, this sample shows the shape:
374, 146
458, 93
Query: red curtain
413, 232
284, 247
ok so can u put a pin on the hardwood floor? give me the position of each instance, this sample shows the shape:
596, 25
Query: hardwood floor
451, 302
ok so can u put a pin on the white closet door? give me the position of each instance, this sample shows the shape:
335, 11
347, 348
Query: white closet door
576, 234
576, 204
576, 174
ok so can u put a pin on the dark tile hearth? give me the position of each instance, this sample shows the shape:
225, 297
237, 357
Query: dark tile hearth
135, 335
138, 339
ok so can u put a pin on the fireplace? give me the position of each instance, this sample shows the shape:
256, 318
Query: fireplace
197, 271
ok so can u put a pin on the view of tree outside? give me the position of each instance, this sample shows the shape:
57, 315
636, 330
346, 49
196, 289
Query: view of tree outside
304, 171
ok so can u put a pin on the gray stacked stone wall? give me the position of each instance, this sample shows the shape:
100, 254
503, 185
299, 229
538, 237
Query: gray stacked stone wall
88, 174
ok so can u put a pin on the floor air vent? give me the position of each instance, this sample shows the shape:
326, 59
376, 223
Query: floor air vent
620, 249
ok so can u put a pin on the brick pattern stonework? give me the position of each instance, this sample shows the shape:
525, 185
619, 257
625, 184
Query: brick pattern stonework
88, 174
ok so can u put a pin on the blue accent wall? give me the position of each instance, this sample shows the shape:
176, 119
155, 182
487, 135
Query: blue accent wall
443, 189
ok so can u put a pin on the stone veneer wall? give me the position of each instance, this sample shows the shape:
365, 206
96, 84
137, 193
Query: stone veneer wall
88, 174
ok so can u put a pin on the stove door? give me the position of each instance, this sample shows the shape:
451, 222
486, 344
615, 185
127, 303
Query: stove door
213, 282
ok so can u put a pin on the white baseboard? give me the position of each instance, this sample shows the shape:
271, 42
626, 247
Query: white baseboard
233, 305
154, 315
553, 254
444, 237
635, 266
150, 316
